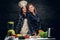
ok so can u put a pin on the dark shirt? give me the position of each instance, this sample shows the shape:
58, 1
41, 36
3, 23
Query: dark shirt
20, 23
34, 22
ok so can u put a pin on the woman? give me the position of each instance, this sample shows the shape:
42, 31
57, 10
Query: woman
22, 26
33, 18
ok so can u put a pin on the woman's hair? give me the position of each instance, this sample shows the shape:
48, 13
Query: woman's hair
32, 5
22, 11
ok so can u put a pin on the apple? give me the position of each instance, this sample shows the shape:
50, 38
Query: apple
11, 32
26, 36
45, 34
11, 22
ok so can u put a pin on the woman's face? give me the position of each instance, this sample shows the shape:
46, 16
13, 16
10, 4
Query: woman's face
31, 8
24, 9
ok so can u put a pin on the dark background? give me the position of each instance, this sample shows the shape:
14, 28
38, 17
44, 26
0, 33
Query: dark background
47, 9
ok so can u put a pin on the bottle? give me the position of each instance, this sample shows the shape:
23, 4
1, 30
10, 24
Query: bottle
49, 32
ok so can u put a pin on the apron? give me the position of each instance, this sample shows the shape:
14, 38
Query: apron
24, 29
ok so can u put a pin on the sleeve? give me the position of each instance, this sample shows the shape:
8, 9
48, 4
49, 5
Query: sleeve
18, 26
38, 22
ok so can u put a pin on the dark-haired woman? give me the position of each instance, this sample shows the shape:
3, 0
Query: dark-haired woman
22, 26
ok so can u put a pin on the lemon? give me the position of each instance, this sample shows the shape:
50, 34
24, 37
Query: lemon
18, 35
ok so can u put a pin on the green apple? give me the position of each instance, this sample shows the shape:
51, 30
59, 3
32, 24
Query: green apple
12, 32
45, 34
11, 22
42, 33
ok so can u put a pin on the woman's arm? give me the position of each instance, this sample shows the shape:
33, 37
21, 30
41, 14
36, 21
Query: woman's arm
19, 24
